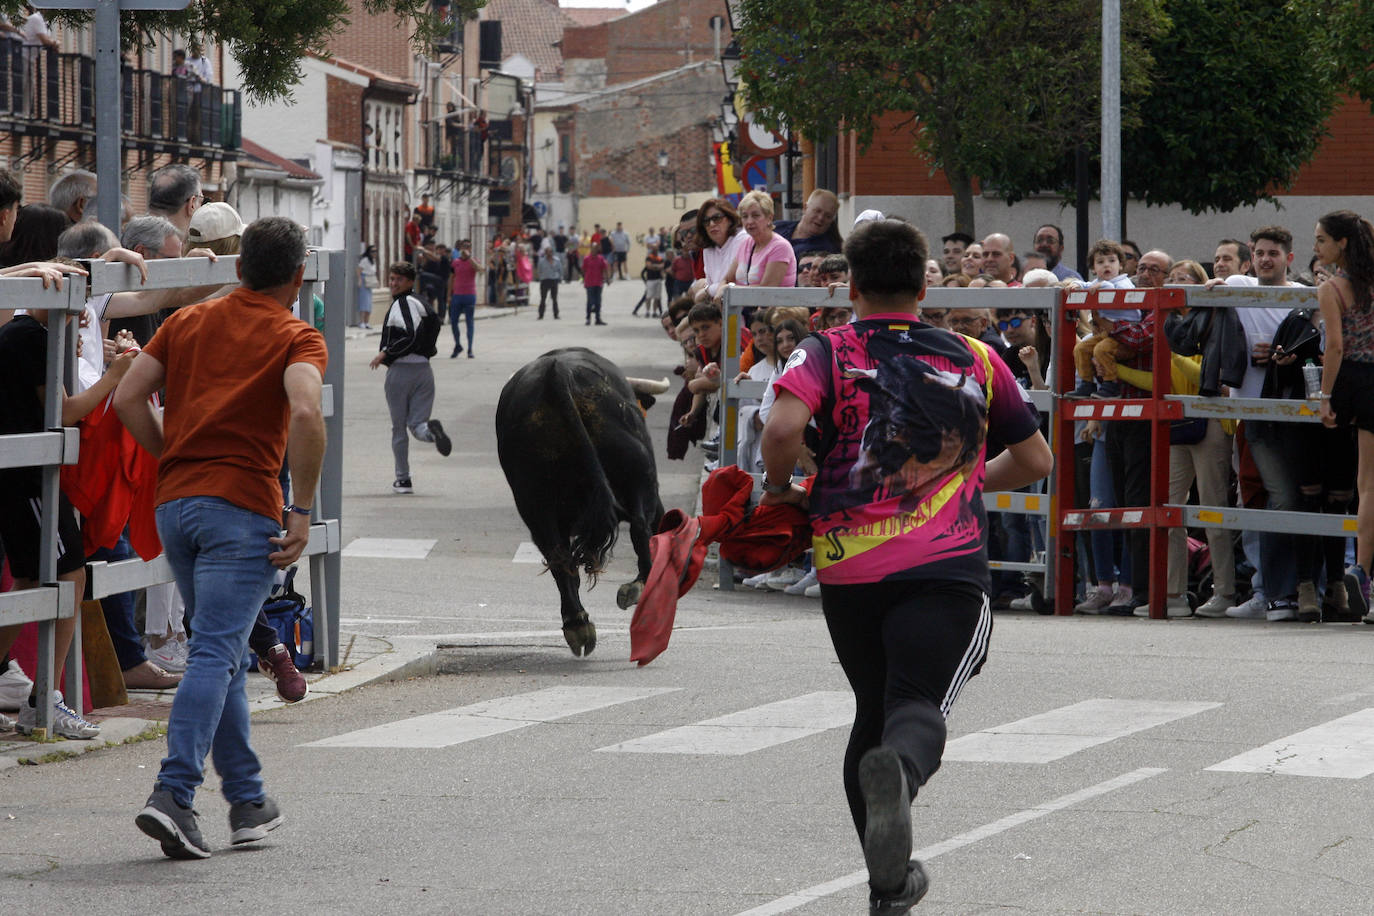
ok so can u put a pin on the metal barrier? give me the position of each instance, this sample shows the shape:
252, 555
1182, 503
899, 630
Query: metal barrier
737, 298
1161, 407
53, 600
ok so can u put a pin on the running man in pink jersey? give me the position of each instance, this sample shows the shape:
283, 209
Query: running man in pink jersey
904, 410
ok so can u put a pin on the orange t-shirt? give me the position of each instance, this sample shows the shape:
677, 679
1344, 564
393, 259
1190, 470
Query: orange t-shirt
226, 423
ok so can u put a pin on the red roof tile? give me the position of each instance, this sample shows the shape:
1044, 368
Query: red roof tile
267, 157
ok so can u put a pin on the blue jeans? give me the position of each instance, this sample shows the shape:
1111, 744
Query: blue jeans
118, 610
1277, 453
464, 304
218, 553
593, 303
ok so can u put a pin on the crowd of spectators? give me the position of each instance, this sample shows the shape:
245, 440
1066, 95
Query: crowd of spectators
99, 504
1237, 352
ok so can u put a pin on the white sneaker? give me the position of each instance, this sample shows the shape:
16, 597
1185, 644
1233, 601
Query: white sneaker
814, 591
170, 656
1254, 609
1173, 607
783, 578
1022, 604
801, 585
66, 723
14, 686
1215, 606
756, 581
6, 723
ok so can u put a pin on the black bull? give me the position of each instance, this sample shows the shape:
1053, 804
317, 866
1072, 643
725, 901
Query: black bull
573, 445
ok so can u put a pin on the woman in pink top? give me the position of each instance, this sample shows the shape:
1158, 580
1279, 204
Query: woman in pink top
464, 295
764, 258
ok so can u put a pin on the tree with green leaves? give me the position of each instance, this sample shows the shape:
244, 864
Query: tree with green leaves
1004, 93
268, 38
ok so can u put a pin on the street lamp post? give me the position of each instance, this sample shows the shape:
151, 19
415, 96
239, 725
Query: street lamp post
671, 176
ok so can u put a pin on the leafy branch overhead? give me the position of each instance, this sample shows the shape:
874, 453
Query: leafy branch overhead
1222, 100
268, 38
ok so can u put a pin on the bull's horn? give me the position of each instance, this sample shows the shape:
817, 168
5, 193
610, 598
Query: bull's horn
647, 385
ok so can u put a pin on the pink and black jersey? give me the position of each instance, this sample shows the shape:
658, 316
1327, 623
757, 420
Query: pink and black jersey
906, 409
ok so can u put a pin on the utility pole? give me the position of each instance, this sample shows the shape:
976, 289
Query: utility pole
1111, 119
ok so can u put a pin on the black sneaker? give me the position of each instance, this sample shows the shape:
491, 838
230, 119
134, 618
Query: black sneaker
887, 834
916, 886
402, 485
1108, 390
173, 826
250, 821
441, 440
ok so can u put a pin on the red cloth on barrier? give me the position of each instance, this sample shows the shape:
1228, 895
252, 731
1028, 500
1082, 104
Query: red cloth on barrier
765, 538
112, 485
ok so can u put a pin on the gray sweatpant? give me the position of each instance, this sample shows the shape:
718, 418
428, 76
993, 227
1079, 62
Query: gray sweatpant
410, 398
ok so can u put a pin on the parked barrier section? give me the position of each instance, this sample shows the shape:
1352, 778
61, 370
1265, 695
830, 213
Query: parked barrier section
53, 600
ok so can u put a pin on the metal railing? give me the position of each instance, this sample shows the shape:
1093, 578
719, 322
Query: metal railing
51, 93
49, 450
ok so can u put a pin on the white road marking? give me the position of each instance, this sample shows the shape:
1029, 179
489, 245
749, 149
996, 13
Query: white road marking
490, 717
751, 729
390, 548
801, 898
1340, 749
527, 553
1068, 730
365, 621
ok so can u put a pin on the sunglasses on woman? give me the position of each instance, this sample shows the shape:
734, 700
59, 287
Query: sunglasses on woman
1009, 323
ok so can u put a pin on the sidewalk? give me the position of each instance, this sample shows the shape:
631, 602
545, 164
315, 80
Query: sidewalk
363, 660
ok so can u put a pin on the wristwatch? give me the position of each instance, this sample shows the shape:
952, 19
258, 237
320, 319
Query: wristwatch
776, 488
296, 509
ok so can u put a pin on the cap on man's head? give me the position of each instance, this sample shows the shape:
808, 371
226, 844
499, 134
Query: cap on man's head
214, 221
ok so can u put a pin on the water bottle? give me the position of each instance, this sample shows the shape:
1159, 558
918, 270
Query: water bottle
1312, 378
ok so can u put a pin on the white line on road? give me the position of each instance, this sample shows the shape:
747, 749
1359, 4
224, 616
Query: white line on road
527, 553
801, 898
751, 729
390, 548
1067, 730
490, 717
1340, 749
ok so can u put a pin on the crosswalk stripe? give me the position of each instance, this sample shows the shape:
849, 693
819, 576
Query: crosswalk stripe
490, 717
527, 553
1340, 749
389, 548
750, 729
1068, 730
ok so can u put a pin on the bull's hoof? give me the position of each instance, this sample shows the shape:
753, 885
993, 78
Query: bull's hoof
581, 637
628, 595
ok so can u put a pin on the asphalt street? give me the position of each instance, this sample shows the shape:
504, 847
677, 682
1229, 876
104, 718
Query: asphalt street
1097, 765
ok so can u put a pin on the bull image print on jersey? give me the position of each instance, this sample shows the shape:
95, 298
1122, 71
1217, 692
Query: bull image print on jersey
905, 411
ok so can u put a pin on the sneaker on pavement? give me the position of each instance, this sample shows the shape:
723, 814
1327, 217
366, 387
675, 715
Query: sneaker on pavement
801, 585
6, 723
280, 667
1173, 607
1357, 592
251, 821
887, 834
402, 485
66, 723
1281, 609
441, 440
1024, 603
783, 578
175, 827
14, 686
814, 591
1215, 606
1254, 608
756, 581
170, 656
916, 886
1098, 598
1336, 604
1309, 608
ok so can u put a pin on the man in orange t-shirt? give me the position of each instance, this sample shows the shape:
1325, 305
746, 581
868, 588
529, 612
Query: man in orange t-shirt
243, 379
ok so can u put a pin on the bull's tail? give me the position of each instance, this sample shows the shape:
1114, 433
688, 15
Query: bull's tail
595, 523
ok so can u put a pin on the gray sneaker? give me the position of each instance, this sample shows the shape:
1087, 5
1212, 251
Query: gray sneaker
173, 826
250, 821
